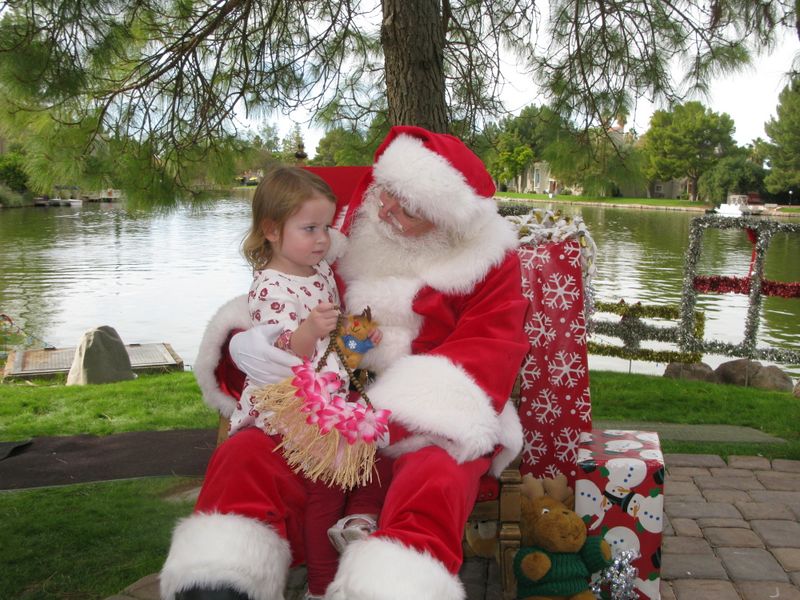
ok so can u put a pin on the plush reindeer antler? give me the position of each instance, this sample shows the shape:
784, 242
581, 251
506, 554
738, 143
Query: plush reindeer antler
556, 488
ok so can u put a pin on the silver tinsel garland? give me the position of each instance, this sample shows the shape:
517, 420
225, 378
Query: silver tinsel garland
540, 226
687, 340
617, 582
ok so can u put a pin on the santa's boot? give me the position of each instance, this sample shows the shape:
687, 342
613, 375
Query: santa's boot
226, 593
383, 569
225, 557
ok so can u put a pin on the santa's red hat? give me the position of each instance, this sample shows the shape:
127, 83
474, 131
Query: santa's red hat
435, 175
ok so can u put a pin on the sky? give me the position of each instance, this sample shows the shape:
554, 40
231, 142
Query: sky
749, 97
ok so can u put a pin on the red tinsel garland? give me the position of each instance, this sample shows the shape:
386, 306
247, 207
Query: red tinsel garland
784, 289
721, 284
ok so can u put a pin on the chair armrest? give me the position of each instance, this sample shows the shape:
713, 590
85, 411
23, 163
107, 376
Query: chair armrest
510, 534
510, 490
222, 429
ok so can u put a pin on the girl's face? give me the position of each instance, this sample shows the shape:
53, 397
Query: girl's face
304, 240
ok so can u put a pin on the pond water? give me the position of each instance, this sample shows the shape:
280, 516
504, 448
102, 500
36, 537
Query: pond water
159, 275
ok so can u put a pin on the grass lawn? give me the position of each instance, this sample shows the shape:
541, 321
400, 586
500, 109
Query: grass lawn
515, 198
90, 541
150, 402
664, 202
85, 541
172, 401
623, 396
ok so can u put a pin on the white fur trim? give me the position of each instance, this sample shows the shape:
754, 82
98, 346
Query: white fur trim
464, 265
454, 267
383, 569
429, 184
511, 438
234, 314
338, 245
211, 550
444, 403
390, 301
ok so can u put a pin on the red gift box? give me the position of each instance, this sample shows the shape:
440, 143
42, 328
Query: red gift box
619, 492
555, 407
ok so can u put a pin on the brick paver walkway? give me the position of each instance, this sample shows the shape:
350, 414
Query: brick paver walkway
733, 528
733, 533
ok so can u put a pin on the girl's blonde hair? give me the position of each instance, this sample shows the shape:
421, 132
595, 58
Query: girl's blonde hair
279, 195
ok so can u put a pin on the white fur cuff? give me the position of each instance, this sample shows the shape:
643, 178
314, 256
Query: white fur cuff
216, 550
511, 439
383, 569
432, 396
231, 315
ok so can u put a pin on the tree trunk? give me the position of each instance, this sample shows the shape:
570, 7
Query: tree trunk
412, 36
692, 188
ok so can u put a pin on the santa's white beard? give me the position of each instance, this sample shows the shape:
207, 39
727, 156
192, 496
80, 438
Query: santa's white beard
377, 248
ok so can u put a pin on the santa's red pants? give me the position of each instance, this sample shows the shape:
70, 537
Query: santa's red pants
428, 497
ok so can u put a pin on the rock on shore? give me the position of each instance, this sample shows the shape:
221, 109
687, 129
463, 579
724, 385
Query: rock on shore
742, 371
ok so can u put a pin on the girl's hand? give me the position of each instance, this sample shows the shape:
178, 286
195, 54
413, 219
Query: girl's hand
322, 319
320, 322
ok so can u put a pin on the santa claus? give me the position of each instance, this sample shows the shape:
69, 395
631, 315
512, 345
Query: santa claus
427, 251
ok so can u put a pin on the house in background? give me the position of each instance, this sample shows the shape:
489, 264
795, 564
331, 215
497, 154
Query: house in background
542, 182
535, 179
668, 189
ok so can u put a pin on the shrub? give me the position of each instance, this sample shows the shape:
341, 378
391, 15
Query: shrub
9, 197
11, 172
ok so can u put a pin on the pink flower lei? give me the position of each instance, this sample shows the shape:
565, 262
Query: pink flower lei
355, 421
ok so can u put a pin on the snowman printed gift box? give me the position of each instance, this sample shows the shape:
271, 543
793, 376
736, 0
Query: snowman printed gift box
619, 493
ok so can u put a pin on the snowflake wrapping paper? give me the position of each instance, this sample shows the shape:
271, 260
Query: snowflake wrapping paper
620, 494
555, 407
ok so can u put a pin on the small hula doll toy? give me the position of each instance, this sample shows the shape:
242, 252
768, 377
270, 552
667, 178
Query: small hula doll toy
294, 297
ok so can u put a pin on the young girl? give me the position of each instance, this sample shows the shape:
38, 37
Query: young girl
294, 292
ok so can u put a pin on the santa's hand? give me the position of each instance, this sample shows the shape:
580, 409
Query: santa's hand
465, 450
441, 404
398, 440
255, 354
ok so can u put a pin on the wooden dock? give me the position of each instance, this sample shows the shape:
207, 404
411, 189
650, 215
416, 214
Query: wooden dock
145, 358
77, 199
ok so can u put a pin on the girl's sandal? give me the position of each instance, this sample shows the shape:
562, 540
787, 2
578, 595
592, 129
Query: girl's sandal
350, 529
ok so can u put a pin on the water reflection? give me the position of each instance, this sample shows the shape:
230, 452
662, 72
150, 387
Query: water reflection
153, 276
159, 275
